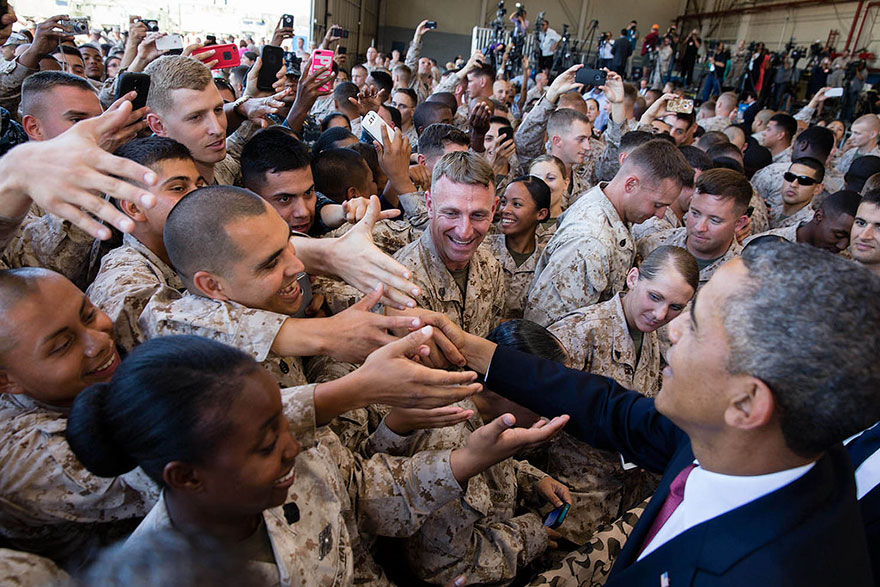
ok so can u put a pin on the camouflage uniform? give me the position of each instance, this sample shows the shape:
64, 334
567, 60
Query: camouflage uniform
760, 219
12, 75
413, 53
585, 262
716, 123
337, 502
479, 535
516, 279
228, 171
414, 209
789, 233
388, 235
590, 566
608, 163
598, 341
249, 330
783, 156
49, 503
779, 220
22, 568
653, 225
482, 306
768, 184
42, 239
677, 237
847, 158
128, 278
529, 140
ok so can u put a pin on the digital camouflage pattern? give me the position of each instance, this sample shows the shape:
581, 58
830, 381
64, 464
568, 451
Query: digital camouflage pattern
516, 279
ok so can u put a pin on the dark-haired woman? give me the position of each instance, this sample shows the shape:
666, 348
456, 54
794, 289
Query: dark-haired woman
212, 429
524, 205
618, 339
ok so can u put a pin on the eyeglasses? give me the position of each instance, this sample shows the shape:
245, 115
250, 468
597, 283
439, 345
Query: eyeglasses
801, 179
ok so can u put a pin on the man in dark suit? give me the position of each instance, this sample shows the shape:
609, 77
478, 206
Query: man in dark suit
747, 428
621, 51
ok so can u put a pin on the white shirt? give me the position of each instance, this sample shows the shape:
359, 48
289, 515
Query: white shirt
868, 473
550, 39
708, 495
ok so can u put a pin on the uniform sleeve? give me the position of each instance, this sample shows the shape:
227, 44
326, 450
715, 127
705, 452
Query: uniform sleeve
10, 85
805, 114
249, 330
47, 241
574, 276
298, 404
529, 137
412, 59
447, 84
414, 209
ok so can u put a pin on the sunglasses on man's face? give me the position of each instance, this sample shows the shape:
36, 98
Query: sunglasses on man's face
801, 179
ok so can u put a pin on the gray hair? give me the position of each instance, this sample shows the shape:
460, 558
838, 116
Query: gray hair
805, 324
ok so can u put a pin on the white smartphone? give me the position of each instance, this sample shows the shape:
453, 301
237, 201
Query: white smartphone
372, 123
834, 93
169, 42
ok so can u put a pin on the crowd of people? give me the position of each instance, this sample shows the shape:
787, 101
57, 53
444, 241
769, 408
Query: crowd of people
431, 325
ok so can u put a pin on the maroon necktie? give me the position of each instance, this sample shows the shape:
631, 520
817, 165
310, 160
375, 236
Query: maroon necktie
672, 501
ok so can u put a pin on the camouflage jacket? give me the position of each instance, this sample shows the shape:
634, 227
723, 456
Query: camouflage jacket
717, 123
677, 237
482, 306
585, 262
49, 503
22, 568
779, 220
653, 225
337, 502
516, 279
128, 278
789, 233
847, 158
249, 330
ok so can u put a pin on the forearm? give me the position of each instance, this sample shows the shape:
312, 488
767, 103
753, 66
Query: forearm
15, 201
316, 254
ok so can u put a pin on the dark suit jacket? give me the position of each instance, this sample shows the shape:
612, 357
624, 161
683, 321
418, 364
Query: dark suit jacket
870, 504
806, 533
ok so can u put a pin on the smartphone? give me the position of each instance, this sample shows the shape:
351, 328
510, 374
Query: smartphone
504, 133
555, 518
373, 124
591, 77
169, 42
273, 59
287, 21
341, 50
834, 93
430, 25
749, 211
137, 82
340, 32
226, 56
293, 64
323, 58
680, 105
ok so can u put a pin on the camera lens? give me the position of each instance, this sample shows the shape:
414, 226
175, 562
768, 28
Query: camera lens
227, 55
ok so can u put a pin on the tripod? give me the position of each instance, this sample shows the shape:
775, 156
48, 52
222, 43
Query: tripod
561, 55
591, 42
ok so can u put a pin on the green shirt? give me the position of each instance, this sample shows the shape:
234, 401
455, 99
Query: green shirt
461, 278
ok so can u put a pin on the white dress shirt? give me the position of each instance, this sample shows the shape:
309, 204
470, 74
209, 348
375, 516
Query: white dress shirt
708, 495
868, 473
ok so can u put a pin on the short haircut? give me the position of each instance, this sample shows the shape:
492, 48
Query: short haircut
252, 55
269, 151
330, 137
16, 285
427, 114
871, 184
402, 71
435, 137
680, 260
409, 93
371, 156
689, 118
382, 80
37, 85
221, 84
813, 164
548, 158
630, 92
725, 162
561, 121
396, 117
325, 124
239, 72
727, 99
734, 130
66, 50
343, 91
633, 139
538, 189
500, 120
195, 236
336, 170
174, 72
725, 150
726, 184
711, 138
708, 107
446, 98
871, 197
823, 393
573, 101
786, 122
464, 167
842, 202
358, 66
755, 156
149, 151
816, 141
485, 70
658, 160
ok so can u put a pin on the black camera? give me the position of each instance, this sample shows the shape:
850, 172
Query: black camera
520, 10
287, 21
431, 25
292, 64
340, 32
152, 25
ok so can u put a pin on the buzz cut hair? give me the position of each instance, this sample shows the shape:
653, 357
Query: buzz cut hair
464, 167
562, 120
36, 86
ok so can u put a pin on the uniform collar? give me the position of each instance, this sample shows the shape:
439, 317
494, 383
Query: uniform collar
444, 284
169, 274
